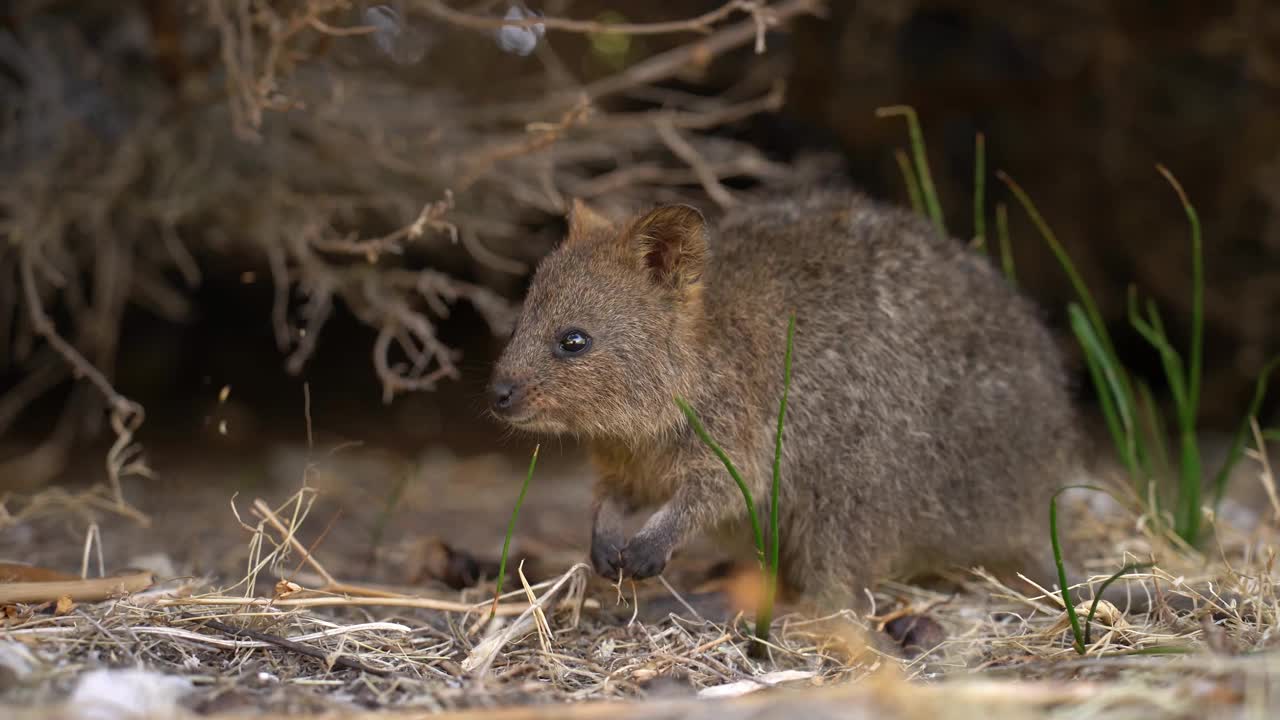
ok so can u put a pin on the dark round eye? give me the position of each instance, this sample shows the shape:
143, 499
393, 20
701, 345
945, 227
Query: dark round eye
574, 342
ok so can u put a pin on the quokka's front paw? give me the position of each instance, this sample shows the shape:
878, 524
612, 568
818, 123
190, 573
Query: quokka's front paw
606, 556
644, 557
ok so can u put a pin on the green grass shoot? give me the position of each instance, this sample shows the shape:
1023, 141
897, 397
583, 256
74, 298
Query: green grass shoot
701, 432
1080, 637
1006, 246
1128, 407
765, 617
1132, 417
767, 555
379, 529
979, 193
1242, 433
511, 528
909, 177
927, 191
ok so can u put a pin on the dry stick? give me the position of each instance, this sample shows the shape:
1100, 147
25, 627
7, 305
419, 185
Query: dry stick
691, 157
701, 23
539, 136
332, 585
697, 120
323, 534
338, 661
372, 248
130, 413
80, 590
287, 535
482, 656
387, 600
1267, 477
666, 64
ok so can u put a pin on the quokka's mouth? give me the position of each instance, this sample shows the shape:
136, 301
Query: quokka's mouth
516, 420
535, 423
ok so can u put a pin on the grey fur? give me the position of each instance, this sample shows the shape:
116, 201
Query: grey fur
929, 419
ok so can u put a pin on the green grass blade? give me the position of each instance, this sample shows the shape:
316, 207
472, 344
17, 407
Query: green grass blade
1077, 282
1113, 394
1076, 634
733, 472
1242, 434
511, 528
1187, 509
1080, 638
1152, 330
921, 156
1187, 513
388, 509
1006, 247
909, 177
979, 192
1097, 597
765, 617
1196, 351
1158, 435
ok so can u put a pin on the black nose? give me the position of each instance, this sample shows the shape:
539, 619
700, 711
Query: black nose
504, 395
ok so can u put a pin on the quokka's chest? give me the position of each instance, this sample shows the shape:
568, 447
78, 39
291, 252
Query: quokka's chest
642, 478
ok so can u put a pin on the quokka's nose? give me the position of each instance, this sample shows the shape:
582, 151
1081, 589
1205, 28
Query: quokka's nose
503, 395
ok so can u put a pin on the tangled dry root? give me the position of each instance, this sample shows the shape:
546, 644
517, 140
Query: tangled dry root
138, 146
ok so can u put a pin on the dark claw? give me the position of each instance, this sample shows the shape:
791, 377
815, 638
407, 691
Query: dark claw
606, 557
643, 558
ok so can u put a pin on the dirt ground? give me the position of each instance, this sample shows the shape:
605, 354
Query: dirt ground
394, 545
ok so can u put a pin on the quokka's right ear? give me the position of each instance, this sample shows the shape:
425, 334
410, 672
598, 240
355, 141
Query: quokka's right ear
585, 222
671, 243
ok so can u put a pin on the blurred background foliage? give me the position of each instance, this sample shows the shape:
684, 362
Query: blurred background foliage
231, 193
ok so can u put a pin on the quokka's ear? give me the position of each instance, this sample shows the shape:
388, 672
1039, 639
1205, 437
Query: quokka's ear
671, 242
585, 222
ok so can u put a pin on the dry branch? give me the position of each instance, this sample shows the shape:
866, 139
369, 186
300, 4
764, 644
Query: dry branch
275, 135
341, 661
88, 590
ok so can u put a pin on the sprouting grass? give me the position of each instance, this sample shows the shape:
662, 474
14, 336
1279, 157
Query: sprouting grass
1006, 246
765, 618
767, 555
1128, 405
511, 528
913, 185
979, 193
388, 509
926, 189
1133, 421
1242, 433
1080, 638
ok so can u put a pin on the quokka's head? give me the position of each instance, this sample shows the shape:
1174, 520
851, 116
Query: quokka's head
609, 329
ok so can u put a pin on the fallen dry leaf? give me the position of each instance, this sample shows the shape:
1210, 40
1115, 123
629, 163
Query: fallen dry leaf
285, 588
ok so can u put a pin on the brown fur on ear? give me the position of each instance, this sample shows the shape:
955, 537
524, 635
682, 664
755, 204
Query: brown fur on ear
672, 243
585, 222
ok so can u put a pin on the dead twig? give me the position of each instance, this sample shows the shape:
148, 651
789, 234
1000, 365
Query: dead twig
88, 590
330, 660
700, 24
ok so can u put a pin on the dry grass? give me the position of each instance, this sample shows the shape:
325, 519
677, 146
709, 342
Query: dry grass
288, 636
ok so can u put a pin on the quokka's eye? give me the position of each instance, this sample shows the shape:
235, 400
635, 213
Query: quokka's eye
573, 342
